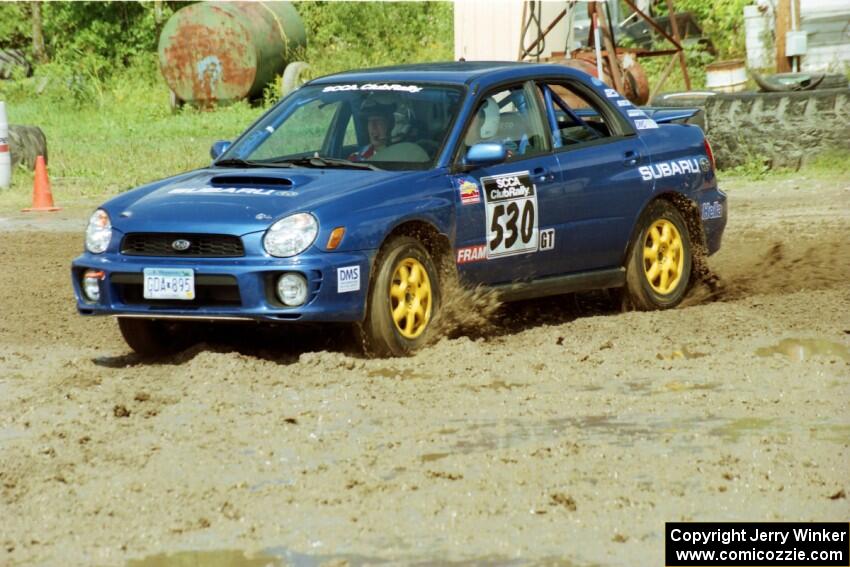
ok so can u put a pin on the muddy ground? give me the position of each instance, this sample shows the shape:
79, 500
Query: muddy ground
564, 432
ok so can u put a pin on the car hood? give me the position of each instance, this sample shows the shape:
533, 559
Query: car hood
238, 201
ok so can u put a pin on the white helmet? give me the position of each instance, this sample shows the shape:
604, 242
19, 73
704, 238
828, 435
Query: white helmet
490, 124
485, 123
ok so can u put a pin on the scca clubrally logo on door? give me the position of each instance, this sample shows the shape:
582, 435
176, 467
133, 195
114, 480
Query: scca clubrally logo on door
511, 204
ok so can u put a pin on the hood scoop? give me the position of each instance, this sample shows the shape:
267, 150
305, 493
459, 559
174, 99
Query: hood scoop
253, 181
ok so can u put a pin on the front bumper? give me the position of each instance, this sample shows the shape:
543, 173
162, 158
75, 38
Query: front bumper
228, 288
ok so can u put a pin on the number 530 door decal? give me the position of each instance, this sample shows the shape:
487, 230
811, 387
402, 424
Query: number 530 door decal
511, 205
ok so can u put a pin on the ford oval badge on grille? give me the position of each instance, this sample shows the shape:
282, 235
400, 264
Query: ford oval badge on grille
181, 244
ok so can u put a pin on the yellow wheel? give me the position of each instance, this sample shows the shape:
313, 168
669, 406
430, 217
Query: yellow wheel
663, 258
404, 298
410, 298
658, 267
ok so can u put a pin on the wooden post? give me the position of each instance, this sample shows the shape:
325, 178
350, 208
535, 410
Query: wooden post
674, 27
37, 34
783, 24
610, 49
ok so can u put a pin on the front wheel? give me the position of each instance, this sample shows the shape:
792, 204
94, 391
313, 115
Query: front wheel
404, 296
658, 269
154, 338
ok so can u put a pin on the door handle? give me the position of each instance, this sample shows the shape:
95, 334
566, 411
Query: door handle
631, 158
542, 175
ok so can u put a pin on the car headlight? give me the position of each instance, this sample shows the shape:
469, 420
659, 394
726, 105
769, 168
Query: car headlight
291, 235
98, 232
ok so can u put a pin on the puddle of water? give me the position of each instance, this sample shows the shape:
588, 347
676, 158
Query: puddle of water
406, 374
681, 353
219, 558
835, 433
799, 350
737, 428
431, 457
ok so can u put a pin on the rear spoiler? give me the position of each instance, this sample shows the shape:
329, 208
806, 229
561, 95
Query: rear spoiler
668, 115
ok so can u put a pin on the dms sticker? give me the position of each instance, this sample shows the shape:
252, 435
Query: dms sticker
611, 93
348, 279
645, 124
547, 239
668, 169
469, 192
471, 254
231, 191
623, 103
712, 210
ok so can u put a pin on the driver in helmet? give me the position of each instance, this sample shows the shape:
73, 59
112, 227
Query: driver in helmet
380, 120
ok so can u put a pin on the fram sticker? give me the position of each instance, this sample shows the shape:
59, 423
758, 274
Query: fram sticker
712, 210
471, 254
373, 87
547, 239
636, 112
624, 102
645, 124
611, 93
348, 279
469, 192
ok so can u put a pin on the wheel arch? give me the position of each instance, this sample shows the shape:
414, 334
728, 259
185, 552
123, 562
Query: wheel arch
435, 242
689, 211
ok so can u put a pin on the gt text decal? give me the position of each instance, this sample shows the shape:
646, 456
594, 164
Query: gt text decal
348, 279
712, 210
668, 169
469, 192
547, 239
511, 203
373, 87
471, 254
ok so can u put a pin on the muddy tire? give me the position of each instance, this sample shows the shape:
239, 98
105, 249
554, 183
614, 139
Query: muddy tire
150, 338
404, 297
658, 265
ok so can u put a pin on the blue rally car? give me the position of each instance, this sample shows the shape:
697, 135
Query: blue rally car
354, 198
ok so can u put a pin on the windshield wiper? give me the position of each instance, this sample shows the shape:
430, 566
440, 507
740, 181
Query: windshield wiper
319, 162
236, 162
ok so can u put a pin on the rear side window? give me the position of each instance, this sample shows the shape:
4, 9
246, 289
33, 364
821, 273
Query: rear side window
579, 118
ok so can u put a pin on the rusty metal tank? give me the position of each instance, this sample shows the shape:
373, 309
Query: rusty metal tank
226, 51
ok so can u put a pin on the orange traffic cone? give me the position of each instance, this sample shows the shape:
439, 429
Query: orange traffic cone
42, 198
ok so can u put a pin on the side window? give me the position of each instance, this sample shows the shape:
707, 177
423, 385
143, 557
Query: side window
578, 117
509, 116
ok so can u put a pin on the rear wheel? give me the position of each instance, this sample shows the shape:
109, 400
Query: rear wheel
154, 338
658, 270
404, 296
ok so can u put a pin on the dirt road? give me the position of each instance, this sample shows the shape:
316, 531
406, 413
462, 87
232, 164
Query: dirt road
561, 433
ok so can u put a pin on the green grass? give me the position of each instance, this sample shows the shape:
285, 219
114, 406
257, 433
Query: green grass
126, 138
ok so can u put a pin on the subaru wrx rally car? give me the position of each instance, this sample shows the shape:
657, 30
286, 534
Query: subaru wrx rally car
347, 201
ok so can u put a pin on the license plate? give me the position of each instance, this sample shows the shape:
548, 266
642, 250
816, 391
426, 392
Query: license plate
169, 283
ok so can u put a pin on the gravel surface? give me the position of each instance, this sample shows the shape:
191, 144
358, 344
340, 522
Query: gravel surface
557, 432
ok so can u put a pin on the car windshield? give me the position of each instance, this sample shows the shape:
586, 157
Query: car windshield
398, 126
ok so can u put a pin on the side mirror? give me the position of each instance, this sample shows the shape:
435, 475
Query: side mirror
219, 148
488, 153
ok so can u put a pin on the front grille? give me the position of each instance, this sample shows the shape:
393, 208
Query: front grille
210, 291
200, 245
